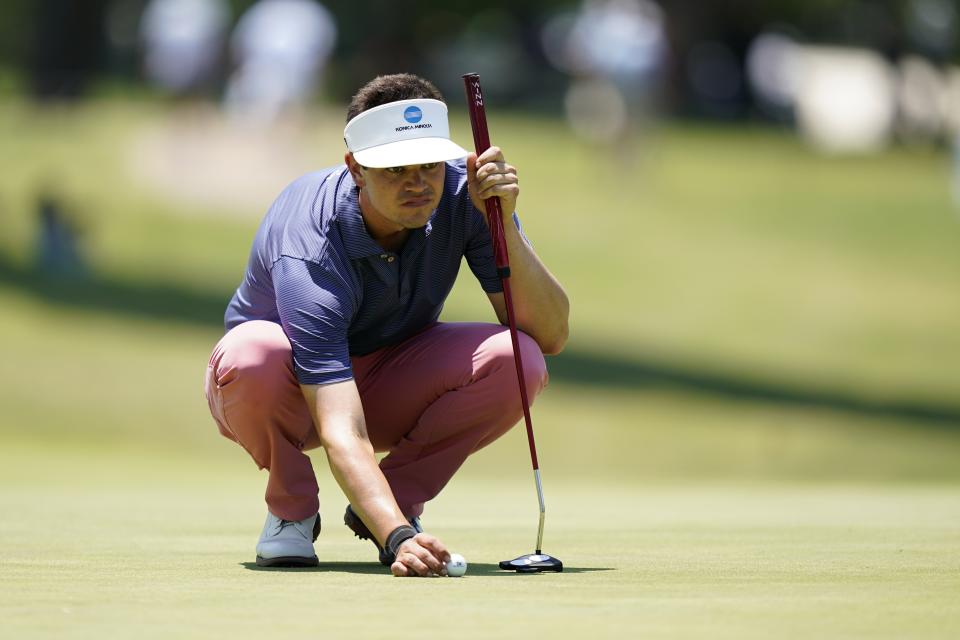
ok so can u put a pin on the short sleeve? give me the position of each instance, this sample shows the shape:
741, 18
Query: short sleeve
315, 305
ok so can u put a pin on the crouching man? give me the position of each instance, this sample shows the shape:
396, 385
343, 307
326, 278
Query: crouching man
333, 337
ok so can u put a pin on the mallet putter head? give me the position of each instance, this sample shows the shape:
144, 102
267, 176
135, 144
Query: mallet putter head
532, 563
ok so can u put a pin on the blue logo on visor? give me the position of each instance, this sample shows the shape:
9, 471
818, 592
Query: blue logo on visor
412, 114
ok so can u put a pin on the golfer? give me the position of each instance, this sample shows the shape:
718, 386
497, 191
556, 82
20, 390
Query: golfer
333, 340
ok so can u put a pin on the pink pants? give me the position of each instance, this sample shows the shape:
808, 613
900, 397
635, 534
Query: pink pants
430, 401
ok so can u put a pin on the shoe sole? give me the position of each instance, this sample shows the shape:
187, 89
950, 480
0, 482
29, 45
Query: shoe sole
288, 561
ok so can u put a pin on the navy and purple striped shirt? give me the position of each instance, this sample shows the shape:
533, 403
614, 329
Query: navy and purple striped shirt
315, 269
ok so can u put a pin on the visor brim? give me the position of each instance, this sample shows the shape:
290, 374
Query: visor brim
408, 152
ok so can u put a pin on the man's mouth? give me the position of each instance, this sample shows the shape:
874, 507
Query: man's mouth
418, 202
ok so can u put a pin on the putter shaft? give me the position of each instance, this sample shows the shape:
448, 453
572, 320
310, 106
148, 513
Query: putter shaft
543, 511
481, 140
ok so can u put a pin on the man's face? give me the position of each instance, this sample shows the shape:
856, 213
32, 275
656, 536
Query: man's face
398, 198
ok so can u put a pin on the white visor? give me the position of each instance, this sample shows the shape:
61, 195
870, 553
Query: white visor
402, 133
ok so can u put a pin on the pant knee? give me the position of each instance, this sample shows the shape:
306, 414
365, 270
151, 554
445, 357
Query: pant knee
534, 364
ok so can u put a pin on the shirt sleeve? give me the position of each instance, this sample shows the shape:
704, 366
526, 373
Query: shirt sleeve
479, 251
315, 305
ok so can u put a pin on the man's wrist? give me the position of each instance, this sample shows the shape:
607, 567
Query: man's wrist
396, 538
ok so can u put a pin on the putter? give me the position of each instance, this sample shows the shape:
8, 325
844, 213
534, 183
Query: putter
537, 561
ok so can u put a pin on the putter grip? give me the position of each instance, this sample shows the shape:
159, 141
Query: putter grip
481, 142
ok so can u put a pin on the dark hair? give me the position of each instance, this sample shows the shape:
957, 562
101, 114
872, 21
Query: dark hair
384, 89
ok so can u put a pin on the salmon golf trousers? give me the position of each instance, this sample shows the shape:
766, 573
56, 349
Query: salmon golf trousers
429, 401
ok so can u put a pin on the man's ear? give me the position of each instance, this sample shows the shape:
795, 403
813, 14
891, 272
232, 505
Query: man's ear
355, 169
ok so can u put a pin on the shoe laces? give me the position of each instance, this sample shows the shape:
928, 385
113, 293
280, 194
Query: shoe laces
283, 524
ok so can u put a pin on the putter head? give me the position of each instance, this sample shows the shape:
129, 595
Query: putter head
532, 563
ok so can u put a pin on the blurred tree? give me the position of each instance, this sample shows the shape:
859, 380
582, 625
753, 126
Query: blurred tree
67, 47
15, 16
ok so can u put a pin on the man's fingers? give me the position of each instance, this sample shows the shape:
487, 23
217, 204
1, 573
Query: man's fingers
490, 176
506, 198
415, 564
492, 180
497, 178
434, 546
495, 169
489, 161
432, 552
422, 555
493, 154
502, 189
437, 551
417, 559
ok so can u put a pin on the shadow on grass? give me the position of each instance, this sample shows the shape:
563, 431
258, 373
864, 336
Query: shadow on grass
475, 569
484, 569
160, 300
156, 299
325, 567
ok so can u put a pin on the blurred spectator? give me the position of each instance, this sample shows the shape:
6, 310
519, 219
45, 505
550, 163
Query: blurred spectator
773, 71
183, 43
952, 100
846, 99
622, 40
280, 48
955, 173
58, 251
616, 51
922, 100
853, 100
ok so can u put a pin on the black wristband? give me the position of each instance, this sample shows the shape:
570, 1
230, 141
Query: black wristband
396, 538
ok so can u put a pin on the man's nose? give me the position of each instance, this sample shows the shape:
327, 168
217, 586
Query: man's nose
416, 180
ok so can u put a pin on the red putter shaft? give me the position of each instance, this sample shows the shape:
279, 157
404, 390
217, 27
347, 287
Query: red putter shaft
481, 141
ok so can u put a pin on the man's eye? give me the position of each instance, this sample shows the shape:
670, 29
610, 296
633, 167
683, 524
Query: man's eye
430, 166
395, 170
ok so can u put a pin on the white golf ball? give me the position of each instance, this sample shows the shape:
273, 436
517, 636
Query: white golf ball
457, 565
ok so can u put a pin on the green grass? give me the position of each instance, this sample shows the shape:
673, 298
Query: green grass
754, 430
161, 547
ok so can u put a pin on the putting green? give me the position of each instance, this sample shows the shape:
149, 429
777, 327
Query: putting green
161, 547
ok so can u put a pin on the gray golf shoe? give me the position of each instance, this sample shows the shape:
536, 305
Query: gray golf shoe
288, 543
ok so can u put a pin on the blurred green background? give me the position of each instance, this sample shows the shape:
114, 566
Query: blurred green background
764, 336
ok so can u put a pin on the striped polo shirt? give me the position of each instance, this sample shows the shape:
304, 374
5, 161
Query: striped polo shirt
316, 270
